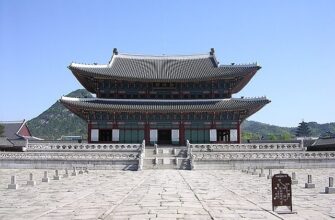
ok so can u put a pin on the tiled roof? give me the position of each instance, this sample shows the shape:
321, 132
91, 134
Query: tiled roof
126, 105
4, 142
21, 142
324, 141
11, 128
163, 68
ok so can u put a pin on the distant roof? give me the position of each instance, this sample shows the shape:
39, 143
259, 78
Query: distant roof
324, 142
4, 142
162, 68
76, 105
11, 128
19, 142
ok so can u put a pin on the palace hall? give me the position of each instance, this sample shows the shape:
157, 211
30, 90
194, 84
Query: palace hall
164, 99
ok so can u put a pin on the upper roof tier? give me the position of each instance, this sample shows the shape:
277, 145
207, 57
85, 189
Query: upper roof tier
185, 68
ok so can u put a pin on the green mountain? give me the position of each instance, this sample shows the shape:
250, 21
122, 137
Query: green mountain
256, 130
58, 120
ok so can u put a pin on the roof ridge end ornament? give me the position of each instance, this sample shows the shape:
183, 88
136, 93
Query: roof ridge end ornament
212, 52
115, 52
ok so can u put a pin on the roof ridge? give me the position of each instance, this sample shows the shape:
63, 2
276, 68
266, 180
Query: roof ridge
250, 98
66, 98
239, 65
173, 56
8, 122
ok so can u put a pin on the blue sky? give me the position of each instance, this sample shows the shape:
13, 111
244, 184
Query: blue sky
293, 41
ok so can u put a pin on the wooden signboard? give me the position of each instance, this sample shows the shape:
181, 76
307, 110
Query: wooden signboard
281, 191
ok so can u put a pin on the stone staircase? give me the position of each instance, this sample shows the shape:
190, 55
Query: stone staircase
166, 157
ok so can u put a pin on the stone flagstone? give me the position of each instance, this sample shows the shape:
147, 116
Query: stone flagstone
161, 194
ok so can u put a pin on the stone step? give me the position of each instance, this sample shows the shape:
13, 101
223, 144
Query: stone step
166, 163
165, 167
162, 152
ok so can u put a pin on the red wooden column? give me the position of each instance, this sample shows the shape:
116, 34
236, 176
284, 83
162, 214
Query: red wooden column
89, 127
146, 130
181, 133
212, 89
238, 132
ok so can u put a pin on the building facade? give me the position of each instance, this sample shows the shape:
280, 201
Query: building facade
164, 99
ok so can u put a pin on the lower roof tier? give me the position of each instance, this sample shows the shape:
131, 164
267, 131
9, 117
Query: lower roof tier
81, 105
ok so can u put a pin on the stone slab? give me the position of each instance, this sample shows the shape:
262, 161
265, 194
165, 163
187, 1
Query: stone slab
160, 194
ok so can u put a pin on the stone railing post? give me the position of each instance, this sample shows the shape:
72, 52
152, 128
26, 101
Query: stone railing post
309, 183
262, 173
330, 189
45, 178
74, 172
294, 178
270, 174
31, 181
141, 156
13, 184
66, 173
57, 176
143, 146
192, 162
331, 182
190, 156
189, 149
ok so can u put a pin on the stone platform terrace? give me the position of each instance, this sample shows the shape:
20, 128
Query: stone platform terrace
160, 194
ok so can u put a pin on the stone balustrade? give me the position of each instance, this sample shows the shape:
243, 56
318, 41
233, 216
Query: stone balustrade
57, 146
141, 156
73, 156
276, 155
247, 147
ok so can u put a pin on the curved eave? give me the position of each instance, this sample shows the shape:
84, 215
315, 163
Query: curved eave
80, 105
221, 72
244, 81
87, 76
86, 80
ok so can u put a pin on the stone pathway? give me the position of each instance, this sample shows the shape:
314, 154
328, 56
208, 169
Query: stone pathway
160, 194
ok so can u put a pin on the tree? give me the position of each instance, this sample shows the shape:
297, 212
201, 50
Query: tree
286, 136
272, 137
247, 136
1, 130
303, 130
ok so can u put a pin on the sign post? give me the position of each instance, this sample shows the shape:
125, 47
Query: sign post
281, 191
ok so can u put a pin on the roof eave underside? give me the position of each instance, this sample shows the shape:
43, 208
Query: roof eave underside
220, 73
78, 107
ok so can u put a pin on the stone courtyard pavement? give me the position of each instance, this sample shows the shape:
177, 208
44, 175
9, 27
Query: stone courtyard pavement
160, 194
